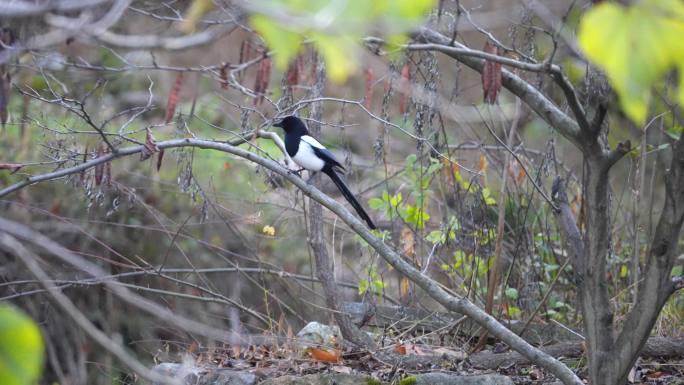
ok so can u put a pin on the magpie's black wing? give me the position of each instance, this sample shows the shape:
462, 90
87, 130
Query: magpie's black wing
321, 151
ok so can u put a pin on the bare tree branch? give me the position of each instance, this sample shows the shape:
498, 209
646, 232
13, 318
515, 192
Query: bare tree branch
14, 247
434, 289
19, 8
537, 101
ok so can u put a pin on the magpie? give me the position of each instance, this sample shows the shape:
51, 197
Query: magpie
309, 154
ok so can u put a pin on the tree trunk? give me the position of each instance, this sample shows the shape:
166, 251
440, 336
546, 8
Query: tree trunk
598, 319
324, 270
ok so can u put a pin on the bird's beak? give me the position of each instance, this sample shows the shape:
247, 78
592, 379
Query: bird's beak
278, 124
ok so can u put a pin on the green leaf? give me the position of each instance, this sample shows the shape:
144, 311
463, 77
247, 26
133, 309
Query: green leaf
21, 347
436, 236
487, 195
676, 131
395, 200
363, 286
676, 271
635, 46
376, 204
459, 256
512, 293
411, 160
335, 27
513, 312
416, 216
624, 271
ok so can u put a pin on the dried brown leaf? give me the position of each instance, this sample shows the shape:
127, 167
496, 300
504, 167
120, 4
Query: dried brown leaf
408, 242
323, 355
160, 156
150, 146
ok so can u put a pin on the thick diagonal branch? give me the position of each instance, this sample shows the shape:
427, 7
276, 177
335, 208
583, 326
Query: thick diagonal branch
431, 287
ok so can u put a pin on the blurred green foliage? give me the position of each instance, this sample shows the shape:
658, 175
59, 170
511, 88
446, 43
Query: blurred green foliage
335, 28
636, 46
21, 347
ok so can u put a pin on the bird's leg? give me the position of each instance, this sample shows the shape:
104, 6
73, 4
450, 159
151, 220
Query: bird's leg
297, 172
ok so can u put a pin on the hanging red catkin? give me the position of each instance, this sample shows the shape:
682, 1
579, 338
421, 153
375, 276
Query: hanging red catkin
404, 87
370, 78
262, 79
292, 76
99, 168
223, 75
173, 98
491, 76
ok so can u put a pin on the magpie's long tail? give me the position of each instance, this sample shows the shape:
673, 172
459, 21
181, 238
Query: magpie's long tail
349, 196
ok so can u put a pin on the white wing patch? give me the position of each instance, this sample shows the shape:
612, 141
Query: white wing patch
305, 156
313, 142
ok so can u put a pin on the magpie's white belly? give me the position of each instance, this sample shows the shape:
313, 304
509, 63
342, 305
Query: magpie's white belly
306, 158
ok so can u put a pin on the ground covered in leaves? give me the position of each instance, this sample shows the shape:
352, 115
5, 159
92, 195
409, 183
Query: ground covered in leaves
398, 363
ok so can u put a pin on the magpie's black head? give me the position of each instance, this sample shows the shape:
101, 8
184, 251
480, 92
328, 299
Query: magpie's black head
292, 125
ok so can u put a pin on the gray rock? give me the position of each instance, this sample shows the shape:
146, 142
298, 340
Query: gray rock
316, 334
455, 379
194, 375
319, 379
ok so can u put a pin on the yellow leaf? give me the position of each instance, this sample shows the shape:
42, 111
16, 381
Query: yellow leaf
483, 163
21, 347
268, 230
404, 287
197, 9
340, 55
624, 271
285, 42
681, 83
634, 46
